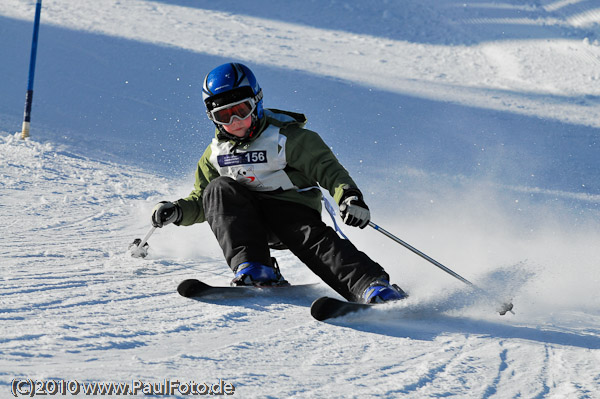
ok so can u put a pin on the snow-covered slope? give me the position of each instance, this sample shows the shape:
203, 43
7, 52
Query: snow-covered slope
471, 126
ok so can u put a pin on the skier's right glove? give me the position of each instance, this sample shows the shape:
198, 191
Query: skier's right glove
165, 213
354, 211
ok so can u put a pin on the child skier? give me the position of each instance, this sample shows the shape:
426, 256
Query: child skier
257, 185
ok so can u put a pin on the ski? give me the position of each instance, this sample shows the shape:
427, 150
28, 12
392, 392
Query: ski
193, 288
328, 308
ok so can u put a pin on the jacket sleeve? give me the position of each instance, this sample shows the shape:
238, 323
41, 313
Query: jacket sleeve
307, 152
191, 206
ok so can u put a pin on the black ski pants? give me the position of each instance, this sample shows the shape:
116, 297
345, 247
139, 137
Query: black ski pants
242, 223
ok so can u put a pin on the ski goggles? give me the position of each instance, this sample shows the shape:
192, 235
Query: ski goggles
227, 113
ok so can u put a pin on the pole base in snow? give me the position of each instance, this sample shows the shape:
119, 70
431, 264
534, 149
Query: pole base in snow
25, 130
136, 251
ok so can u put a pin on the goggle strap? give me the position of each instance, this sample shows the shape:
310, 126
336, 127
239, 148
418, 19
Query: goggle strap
258, 96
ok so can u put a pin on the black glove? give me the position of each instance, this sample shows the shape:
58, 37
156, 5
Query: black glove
354, 211
166, 212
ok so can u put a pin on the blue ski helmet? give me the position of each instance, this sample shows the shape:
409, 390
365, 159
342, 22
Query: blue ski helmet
229, 83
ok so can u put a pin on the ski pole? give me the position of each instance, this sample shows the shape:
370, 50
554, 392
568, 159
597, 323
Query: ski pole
506, 306
29, 93
145, 240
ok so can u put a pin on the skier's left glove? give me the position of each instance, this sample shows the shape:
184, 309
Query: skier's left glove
354, 211
165, 213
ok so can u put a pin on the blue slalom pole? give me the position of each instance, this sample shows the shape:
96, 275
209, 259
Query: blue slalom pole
29, 95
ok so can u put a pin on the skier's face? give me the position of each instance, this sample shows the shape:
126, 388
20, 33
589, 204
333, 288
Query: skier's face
238, 127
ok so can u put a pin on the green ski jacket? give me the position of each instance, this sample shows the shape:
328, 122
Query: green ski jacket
283, 161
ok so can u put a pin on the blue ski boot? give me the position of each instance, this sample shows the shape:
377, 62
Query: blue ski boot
259, 275
382, 291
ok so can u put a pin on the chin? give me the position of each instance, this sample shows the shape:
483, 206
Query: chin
239, 133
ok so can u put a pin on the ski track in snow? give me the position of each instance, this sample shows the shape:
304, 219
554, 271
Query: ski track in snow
74, 301
74, 305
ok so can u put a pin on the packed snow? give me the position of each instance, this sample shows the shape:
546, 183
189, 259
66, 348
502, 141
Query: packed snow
472, 128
